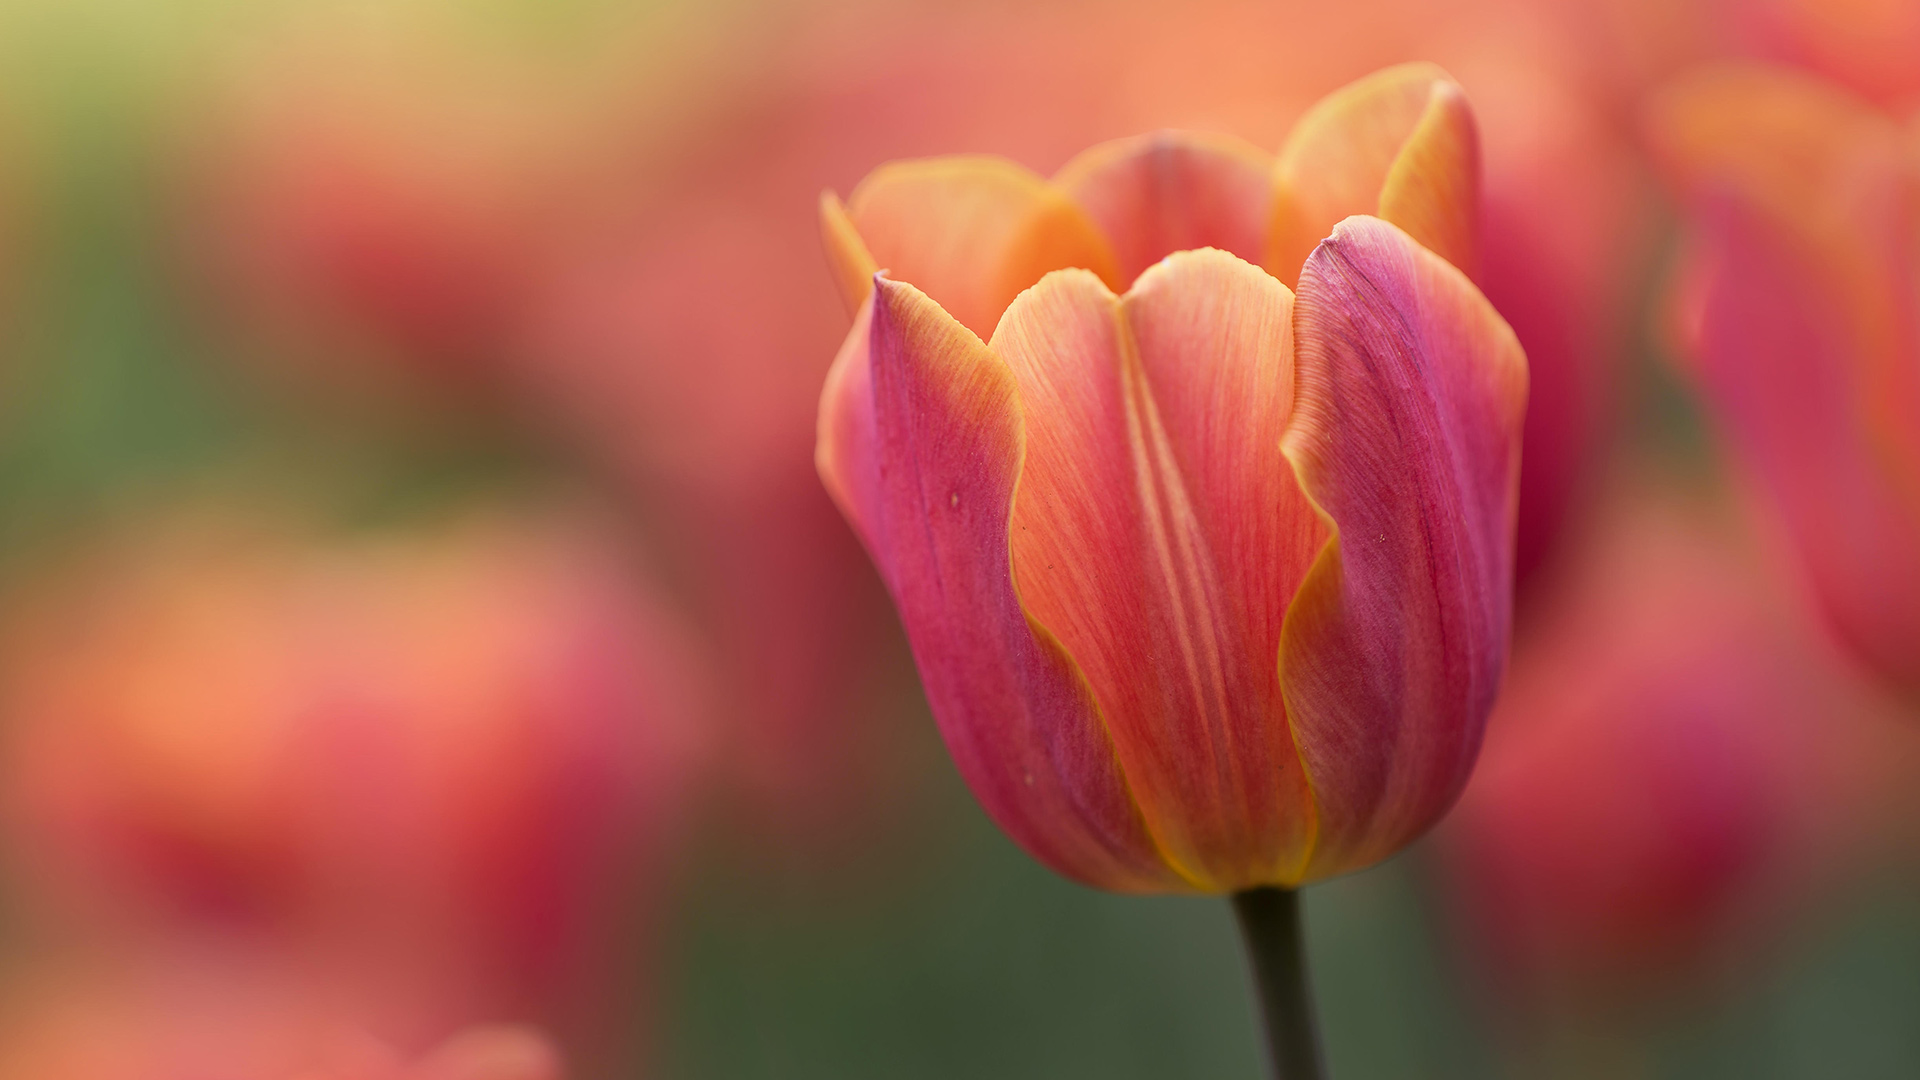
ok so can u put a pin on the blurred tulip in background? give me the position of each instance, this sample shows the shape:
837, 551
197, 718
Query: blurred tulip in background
1798, 314
1678, 768
457, 759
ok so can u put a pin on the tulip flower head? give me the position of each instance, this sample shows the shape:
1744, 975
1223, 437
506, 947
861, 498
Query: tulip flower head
1199, 519
1800, 322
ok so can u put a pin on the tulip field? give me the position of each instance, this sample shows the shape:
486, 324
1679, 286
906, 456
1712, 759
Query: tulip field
668, 540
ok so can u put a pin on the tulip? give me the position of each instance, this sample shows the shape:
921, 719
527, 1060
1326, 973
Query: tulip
1798, 320
636, 345
1263, 541
452, 761
1209, 582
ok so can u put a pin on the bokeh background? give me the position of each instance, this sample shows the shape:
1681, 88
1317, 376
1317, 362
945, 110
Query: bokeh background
418, 608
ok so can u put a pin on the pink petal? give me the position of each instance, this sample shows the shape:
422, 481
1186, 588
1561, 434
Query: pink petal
1407, 435
847, 255
1153, 195
921, 444
1159, 532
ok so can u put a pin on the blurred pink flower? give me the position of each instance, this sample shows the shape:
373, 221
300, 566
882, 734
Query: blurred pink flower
1675, 766
1798, 311
458, 757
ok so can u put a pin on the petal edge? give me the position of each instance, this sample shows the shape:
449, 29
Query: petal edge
937, 415
1412, 395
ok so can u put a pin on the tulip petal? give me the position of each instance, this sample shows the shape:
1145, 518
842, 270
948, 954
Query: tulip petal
1170, 191
846, 450
973, 231
921, 443
1433, 189
1407, 435
1400, 144
1159, 532
852, 264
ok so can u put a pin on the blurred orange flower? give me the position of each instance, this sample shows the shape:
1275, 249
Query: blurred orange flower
450, 757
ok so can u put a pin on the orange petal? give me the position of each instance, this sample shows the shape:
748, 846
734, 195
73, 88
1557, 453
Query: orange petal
852, 264
1153, 195
1433, 189
973, 231
1159, 533
1400, 144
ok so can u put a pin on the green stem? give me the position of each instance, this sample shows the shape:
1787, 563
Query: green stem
1270, 925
